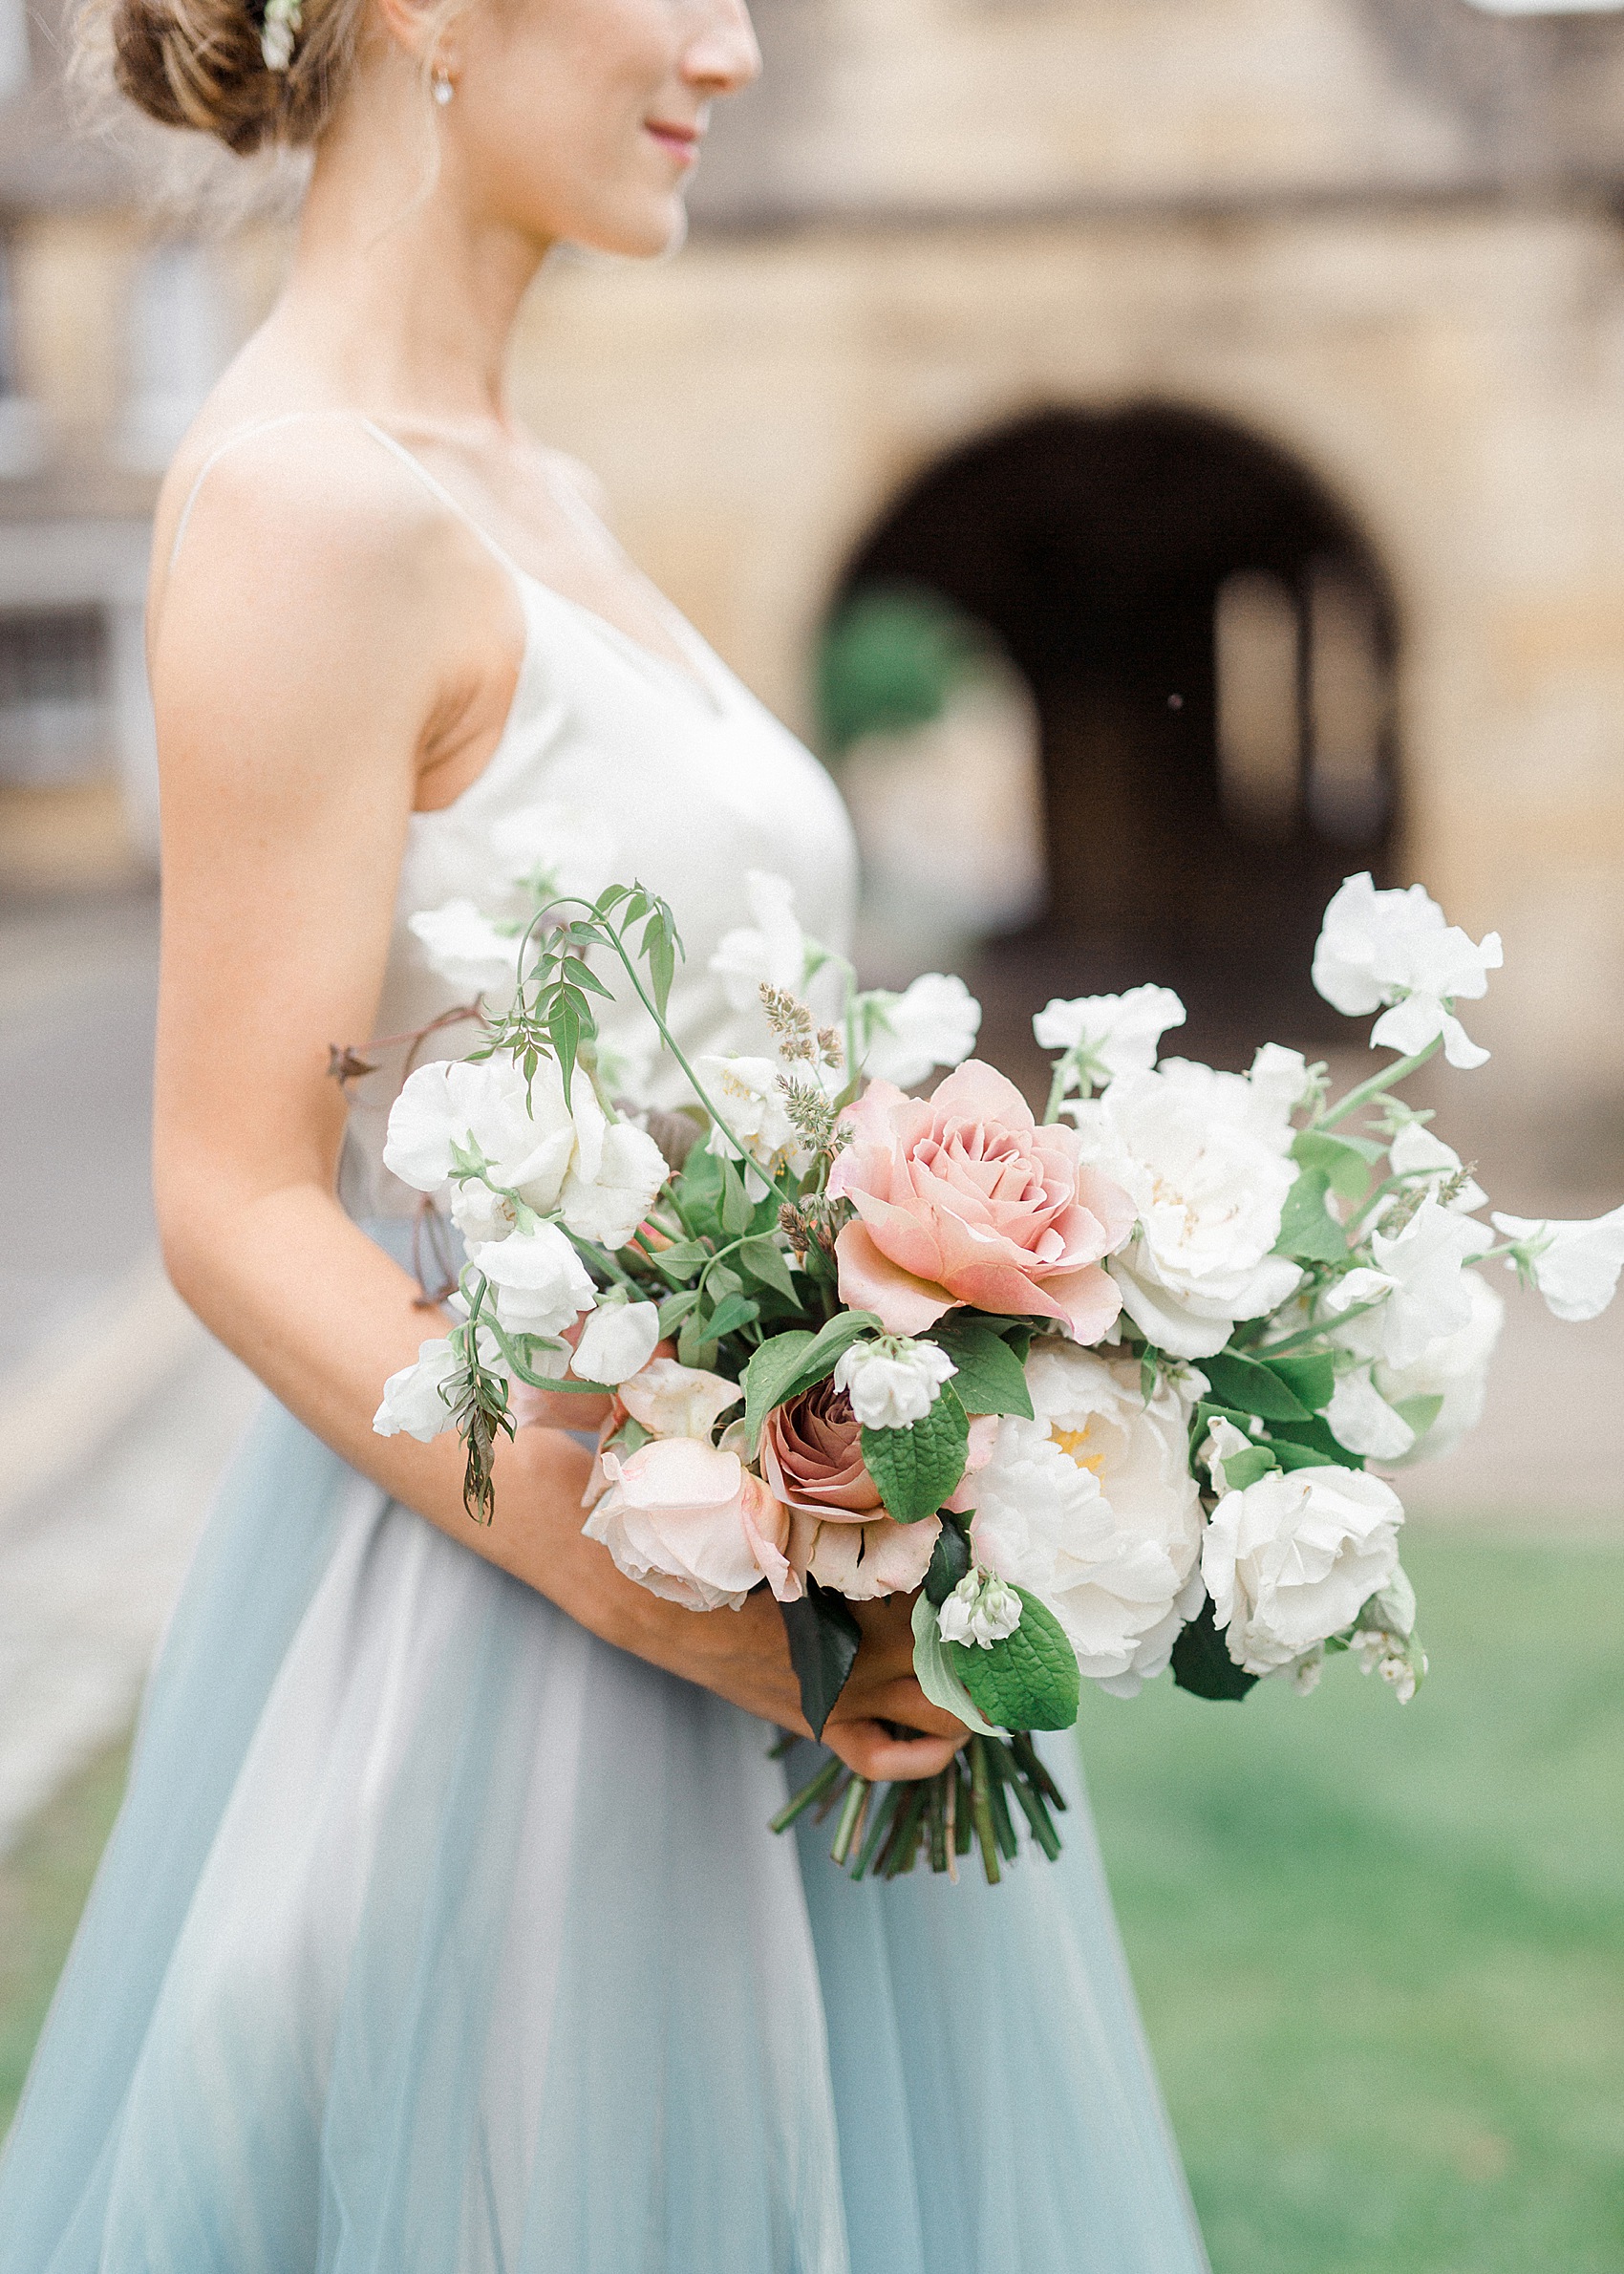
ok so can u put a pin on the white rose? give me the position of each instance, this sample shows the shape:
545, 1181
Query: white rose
468, 949
1416, 1152
617, 1342
1575, 1265
541, 1284
1294, 1558
669, 1399
1092, 1506
414, 1403
1396, 948
1204, 1157
1108, 1035
892, 1381
1417, 1285
1454, 1368
771, 951
933, 1023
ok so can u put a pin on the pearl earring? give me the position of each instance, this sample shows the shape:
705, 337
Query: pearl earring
443, 88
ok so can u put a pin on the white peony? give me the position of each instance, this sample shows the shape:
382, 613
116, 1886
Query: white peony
467, 947
539, 1283
1204, 1156
1415, 1152
1454, 1368
1294, 1558
1396, 948
1575, 1265
617, 1342
600, 1176
771, 951
413, 1401
980, 1610
1108, 1035
892, 1381
1417, 1285
933, 1023
1092, 1506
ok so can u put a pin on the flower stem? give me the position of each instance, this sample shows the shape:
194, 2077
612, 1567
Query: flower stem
981, 1810
1399, 1070
845, 1830
810, 1793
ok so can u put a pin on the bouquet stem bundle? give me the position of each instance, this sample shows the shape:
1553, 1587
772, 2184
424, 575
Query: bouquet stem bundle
939, 1817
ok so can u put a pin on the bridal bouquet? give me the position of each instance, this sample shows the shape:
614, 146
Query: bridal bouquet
1103, 1391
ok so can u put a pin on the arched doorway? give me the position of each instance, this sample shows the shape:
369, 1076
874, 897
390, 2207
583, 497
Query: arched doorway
1210, 646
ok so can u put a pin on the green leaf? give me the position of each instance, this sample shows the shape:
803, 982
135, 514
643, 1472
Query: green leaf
1292, 1455
659, 947
1316, 1435
1202, 1663
675, 1309
734, 1201
1347, 1161
720, 1281
949, 1559
823, 1352
1420, 1412
989, 1377
1309, 1232
730, 1315
1246, 1467
773, 1367
1252, 1389
1030, 1680
917, 1468
766, 1262
933, 1674
699, 1191
823, 1638
565, 1028
1310, 1376
676, 1263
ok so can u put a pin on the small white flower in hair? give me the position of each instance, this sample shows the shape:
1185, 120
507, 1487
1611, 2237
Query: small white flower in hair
284, 21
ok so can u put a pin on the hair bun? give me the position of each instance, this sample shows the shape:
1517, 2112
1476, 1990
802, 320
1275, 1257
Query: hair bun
200, 64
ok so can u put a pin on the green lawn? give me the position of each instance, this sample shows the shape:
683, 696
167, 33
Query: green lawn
1380, 1948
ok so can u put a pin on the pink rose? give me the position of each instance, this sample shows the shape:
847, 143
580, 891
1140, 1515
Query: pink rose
862, 1560
962, 1198
689, 1522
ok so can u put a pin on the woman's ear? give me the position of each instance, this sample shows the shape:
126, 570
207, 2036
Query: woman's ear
422, 29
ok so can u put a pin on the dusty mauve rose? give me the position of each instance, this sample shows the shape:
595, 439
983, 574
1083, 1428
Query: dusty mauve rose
962, 1198
812, 1454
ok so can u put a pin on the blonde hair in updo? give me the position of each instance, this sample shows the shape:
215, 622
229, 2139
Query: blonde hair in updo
199, 65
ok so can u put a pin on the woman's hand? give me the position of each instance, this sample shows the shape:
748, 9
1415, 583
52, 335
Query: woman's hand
882, 1690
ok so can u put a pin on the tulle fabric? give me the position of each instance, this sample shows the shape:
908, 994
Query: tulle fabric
436, 1936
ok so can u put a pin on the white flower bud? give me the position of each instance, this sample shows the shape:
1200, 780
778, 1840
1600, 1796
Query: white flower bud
981, 1610
891, 1380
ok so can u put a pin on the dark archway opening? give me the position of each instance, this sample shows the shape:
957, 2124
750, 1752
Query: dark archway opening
1211, 645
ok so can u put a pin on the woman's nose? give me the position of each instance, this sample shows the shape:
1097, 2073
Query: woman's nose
723, 56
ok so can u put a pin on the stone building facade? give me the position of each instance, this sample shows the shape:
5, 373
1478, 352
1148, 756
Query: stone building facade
1166, 336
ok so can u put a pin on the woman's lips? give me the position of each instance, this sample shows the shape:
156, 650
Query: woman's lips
682, 142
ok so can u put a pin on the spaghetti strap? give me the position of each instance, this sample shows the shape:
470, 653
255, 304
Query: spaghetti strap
243, 434
438, 489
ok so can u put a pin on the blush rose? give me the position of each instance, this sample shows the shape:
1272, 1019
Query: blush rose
963, 1199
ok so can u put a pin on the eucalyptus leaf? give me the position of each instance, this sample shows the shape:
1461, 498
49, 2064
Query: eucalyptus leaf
918, 1467
1030, 1680
933, 1674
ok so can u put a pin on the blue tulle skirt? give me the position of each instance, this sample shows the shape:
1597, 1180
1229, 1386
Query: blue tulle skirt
437, 1937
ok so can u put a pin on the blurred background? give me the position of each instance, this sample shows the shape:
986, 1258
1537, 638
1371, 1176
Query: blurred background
1165, 455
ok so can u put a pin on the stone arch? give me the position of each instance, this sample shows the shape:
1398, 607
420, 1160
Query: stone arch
1212, 643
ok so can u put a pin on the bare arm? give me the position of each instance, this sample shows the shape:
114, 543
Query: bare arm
322, 647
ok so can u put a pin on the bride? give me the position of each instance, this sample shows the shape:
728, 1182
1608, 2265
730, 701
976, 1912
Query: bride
441, 1928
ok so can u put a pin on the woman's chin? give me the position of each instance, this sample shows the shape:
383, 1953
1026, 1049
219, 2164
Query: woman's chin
657, 228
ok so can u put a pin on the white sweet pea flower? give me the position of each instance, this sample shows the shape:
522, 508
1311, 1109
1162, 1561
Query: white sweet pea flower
466, 947
892, 1381
753, 1124
980, 1610
1361, 1418
771, 951
1204, 1156
1417, 1284
617, 1342
601, 1176
1107, 1034
1416, 1152
1454, 1368
413, 1401
556, 850
1396, 948
669, 1399
1293, 1560
933, 1023
1092, 1506
539, 1283
1575, 1265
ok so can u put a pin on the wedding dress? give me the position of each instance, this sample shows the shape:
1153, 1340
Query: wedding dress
437, 1937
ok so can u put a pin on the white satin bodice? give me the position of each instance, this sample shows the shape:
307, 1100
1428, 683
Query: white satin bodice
684, 783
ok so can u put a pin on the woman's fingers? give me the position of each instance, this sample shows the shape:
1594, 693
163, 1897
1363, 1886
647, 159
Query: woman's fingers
869, 1747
